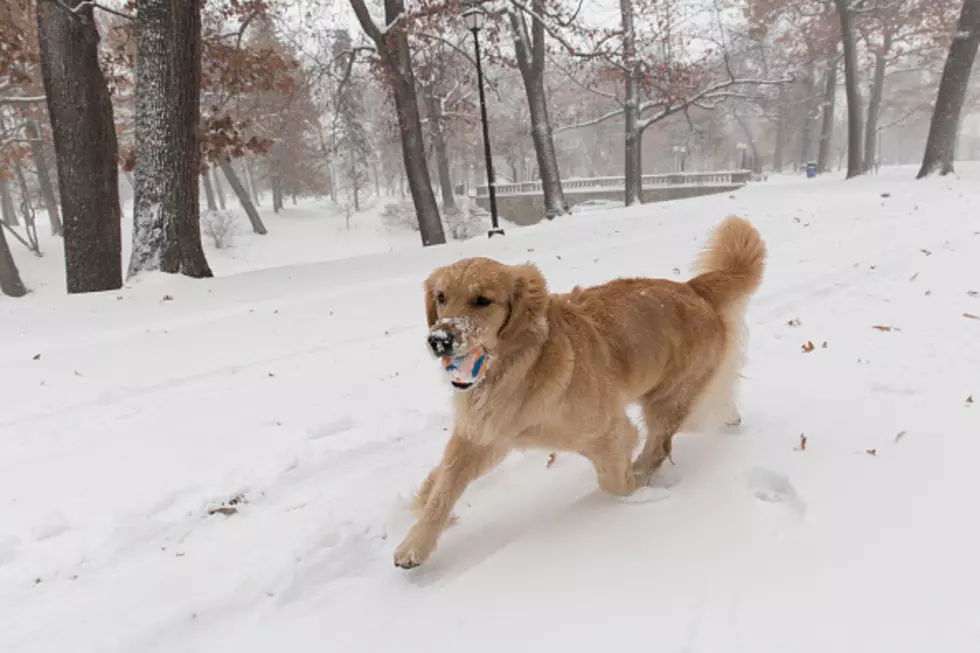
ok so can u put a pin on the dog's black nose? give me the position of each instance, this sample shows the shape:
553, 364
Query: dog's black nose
441, 343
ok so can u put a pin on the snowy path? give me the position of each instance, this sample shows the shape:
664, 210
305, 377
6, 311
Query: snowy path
306, 391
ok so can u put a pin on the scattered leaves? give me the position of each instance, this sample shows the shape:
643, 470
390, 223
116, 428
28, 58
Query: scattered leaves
969, 399
926, 252
36, 357
871, 452
795, 322
971, 316
899, 436
885, 327
551, 459
168, 298
808, 347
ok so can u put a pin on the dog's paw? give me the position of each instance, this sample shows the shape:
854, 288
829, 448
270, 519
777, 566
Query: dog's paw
413, 551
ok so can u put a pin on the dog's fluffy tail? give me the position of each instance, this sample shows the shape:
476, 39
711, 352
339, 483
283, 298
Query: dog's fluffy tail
731, 265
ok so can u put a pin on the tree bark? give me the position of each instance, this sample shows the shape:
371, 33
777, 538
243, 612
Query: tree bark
439, 146
208, 191
943, 129
530, 52
85, 145
250, 178
874, 109
780, 145
44, 176
10, 282
855, 131
632, 162
393, 45
829, 104
806, 134
7, 211
242, 193
219, 190
167, 225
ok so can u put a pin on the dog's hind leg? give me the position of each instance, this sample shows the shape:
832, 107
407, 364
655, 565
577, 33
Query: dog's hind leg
662, 419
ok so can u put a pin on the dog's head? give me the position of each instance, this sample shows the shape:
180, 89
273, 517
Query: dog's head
480, 302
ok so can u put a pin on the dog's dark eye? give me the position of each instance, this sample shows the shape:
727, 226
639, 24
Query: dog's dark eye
482, 301
441, 298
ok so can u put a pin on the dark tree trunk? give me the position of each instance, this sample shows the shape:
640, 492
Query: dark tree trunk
806, 134
219, 190
85, 146
874, 109
855, 130
242, 193
167, 224
275, 179
10, 283
208, 191
531, 64
829, 104
440, 149
250, 178
44, 176
393, 45
631, 107
941, 144
7, 211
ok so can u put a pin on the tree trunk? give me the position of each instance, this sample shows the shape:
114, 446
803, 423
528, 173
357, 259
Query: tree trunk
7, 211
941, 144
242, 194
85, 145
829, 102
208, 191
530, 59
780, 145
44, 176
874, 109
10, 282
855, 130
393, 45
631, 167
439, 142
219, 190
250, 178
167, 224
806, 134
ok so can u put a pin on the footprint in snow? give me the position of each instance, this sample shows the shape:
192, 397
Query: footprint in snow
770, 487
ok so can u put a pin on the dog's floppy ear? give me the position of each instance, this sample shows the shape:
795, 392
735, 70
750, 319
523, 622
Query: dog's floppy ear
431, 313
528, 300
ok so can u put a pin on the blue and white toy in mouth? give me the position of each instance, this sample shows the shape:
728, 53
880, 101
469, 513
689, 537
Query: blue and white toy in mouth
464, 371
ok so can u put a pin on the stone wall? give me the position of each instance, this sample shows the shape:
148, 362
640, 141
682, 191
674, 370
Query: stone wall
529, 209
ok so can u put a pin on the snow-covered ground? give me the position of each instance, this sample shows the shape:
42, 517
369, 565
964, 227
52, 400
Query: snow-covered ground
303, 398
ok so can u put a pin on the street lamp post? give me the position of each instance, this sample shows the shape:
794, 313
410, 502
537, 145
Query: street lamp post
475, 17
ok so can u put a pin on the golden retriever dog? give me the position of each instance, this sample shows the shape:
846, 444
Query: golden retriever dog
562, 368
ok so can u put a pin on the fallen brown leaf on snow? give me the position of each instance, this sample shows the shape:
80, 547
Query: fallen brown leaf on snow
223, 510
168, 298
802, 446
36, 357
808, 347
795, 322
926, 252
899, 436
969, 399
871, 452
824, 345
551, 459
971, 316
885, 327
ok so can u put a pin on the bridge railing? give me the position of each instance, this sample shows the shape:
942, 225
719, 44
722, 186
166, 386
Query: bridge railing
725, 178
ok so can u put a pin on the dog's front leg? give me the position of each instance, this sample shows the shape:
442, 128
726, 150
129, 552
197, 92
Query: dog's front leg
462, 463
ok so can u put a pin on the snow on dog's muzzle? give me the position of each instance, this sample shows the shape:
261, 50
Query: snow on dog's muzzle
464, 371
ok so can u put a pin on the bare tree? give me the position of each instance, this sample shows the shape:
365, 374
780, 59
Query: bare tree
166, 229
10, 283
941, 144
85, 144
44, 176
392, 44
855, 130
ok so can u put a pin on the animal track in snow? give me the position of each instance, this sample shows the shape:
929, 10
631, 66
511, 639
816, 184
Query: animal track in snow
771, 487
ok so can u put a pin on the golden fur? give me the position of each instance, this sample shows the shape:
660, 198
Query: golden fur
563, 368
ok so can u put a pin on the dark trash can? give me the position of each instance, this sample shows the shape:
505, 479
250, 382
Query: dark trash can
811, 170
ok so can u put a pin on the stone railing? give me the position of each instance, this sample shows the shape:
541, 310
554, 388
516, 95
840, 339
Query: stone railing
734, 177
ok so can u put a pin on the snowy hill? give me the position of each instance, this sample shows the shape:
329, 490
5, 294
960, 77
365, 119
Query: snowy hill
224, 465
